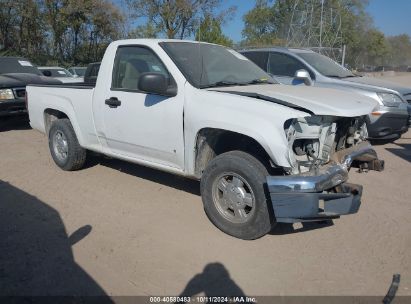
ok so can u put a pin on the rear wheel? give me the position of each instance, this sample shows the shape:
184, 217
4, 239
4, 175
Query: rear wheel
64, 146
234, 196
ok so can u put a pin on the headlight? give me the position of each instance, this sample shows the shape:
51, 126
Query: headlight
6, 94
390, 100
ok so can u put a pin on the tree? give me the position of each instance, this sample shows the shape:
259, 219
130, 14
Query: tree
356, 23
176, 18
260, 27
77, 13
210, 31
400, 49
144, 31
22, 28
53, 12
59, 31
269, 23
8, 20
103, 32
377, 48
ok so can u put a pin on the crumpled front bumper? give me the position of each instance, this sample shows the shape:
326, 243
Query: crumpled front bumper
322, 193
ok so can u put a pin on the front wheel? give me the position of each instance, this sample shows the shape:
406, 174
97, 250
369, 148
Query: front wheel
234, 196
64, 146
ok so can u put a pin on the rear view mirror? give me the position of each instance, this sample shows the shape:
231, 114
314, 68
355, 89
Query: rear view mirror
46, 73
304, 76
155, 83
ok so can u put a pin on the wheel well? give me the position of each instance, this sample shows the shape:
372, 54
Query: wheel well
51, 115
212, 142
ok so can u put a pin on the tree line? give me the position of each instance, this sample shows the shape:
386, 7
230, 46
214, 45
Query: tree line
268, 23
58, 31
76, 32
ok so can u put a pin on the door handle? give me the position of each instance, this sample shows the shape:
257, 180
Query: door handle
113, 102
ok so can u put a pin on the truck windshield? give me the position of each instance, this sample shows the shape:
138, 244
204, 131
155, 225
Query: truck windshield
208, 65
326, 65
17, 65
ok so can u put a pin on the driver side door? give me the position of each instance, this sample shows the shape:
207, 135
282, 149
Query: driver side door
140, 125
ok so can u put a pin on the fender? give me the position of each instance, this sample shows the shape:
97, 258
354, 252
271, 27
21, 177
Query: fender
261, 120
67, 108
52, 101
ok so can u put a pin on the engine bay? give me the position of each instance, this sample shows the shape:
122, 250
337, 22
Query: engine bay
313, 140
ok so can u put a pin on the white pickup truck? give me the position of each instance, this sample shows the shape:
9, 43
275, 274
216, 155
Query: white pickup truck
264, 152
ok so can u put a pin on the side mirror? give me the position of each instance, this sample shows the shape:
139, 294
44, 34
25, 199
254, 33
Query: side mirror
46, 73
155, 83
304, 76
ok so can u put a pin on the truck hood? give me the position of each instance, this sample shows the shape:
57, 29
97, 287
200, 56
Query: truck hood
378, 83
318, 101
18, 80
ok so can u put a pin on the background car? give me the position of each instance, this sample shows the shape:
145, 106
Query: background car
15, 74
77, 72
59, 73
302, 66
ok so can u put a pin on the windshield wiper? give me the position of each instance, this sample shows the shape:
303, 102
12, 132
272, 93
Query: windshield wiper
232, 83
221, 84
259, 81
333, 76
340, 77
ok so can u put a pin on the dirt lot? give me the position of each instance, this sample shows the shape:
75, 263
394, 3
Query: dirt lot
120, 229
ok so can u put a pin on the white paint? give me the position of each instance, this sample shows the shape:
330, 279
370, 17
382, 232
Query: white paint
161, 132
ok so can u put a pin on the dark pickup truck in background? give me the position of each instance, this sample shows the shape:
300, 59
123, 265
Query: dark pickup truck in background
15, 74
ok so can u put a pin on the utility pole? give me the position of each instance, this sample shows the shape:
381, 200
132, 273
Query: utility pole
321, 25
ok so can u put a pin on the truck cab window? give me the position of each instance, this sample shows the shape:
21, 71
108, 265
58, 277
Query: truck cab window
130, 63
284, 65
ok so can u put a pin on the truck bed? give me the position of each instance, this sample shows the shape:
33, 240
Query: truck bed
75, 100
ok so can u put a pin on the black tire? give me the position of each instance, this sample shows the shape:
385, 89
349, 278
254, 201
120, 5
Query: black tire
76, 155
253, 173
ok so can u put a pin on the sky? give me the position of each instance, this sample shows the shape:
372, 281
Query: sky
392, 17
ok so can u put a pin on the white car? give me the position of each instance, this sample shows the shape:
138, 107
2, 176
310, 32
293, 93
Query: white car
59, 73
78, 72
264, 152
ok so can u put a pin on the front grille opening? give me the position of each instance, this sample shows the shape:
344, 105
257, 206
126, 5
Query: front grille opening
20, 93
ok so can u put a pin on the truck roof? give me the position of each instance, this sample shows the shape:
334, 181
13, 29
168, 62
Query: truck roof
151, 41
277, 48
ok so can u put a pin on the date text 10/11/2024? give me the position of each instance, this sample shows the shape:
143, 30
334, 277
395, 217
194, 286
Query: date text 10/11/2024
203, 299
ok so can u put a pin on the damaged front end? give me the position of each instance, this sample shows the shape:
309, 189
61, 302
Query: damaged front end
322, 149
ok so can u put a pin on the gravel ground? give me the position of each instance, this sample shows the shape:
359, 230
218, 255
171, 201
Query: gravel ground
116, 228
